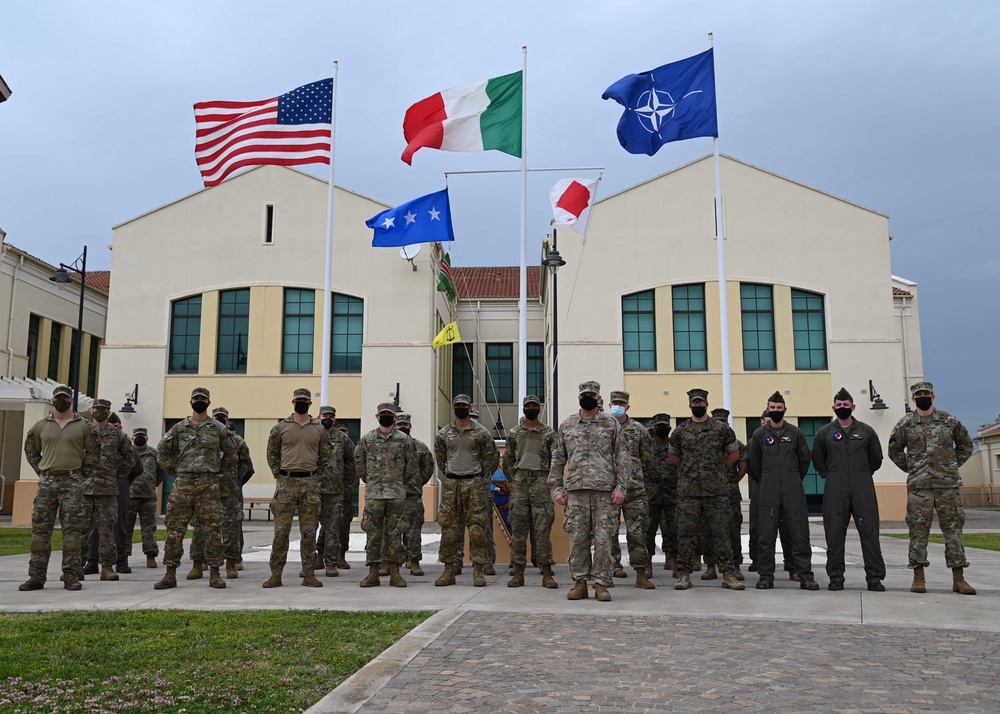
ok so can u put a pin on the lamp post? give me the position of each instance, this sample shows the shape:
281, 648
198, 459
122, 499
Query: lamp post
61, 277
553, 261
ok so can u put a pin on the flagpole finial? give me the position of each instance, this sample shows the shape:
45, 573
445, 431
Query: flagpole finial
711, 40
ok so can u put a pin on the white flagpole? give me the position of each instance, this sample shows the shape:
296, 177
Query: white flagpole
522, 302
328, 282
720, 239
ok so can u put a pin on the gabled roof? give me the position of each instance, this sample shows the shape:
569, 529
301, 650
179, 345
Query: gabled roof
4, 90
97, 279
501, 282
989, 430
900, 291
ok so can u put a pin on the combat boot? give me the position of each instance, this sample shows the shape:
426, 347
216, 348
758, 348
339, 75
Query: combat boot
310, 581
488, 569
766, 582
91, 568
331, 571
738, 574
602, 593
272, 582
960, 586
343, 564
197, 568
150, 561
478, 579
516, 577
547, 580
447, 577
649, 570
71, 583
730, 582
123, 568
415, 568
619, 571
794, 577
919, 585
108, 573
683, 581
578, 591
371, 580
641, 581
318, 565
697, 565
31, 584
383, 568
169, 580
395, 579
458, 568
710, 573
215, 579
669, 562
231, 569
239, 565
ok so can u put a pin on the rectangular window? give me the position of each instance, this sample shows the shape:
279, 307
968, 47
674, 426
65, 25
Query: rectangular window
34, 330
234, 331
298, 334
639, 332
239, 426
347, 333
55, 341
690, 351
462, 368
500, 373
95, 350
269, 223
757, 306
185, 334
809, 329
536, 370
813, 483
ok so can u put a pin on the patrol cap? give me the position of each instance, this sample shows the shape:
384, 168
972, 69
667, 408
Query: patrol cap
101, 403
201, 392
139, 430
531, 399
328, 410
114, 419
922, 387
697, 394
402, 418
341, 427
843, 396
660, 418
474, 413
590, 386
620, 397
302, 393
220, 410
62, 391
776, 398
720, 413
386, 407
462, 399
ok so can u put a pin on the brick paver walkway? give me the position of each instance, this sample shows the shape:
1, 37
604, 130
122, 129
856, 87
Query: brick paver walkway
583, 663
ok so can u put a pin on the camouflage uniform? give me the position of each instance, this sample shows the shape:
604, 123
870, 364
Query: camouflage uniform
100, 491
526, 465
60, 492
414, 517
230, 490
331, 494
142, 500
594, 454
930, 449
350, 481
661, 493
636, 508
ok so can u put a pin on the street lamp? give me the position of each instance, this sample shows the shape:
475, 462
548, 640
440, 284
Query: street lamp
553, 261
62, 277
878, 406
131, 399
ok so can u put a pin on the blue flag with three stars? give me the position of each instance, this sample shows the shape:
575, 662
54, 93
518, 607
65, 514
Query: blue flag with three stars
423, 220
670, 103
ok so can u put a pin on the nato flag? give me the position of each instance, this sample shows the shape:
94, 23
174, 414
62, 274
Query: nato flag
423, 220
669, 103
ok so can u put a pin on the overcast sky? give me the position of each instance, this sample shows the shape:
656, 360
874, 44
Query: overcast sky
890, 104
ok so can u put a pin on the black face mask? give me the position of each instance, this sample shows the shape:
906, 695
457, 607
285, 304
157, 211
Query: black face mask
222, 420
387, 420
462, 412
924, 403
588, 403
404, 429
842, 412
698, 412
301, 407
140, 441
327, 423
199, 407
662, 430
531, 414
776, 416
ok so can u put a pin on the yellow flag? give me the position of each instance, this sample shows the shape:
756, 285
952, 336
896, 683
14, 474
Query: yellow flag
448, 336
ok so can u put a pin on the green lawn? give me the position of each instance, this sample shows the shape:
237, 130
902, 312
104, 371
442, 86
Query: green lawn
986, 541
183, 661
17, 541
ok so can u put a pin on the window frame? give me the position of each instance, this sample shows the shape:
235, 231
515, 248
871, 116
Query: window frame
536, 370
643, 359
499, 373
233, 320
463, 366
686, 330
810, 313
188, 336
303, 359
756, 313
347, 311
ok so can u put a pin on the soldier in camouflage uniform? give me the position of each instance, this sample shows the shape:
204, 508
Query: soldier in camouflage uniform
735, 473
197, 451
298, 454
414, 518
100, 491
142, 497
591, 448
62, 448
466, 454
636, 508
526, 461
930, 445
491, 546
386, 460
703, 449
331, 493
661, 493
350, 483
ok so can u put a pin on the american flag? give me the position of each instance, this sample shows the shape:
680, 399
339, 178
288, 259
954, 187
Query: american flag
289, 130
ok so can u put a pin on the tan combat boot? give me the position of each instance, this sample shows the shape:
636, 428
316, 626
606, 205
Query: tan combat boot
641, 581
310, 581
516, 577
395, 579
730, 582
71, 583
710, 573
331, 572
697, 565
239, 565
215, 579
478, 579
231, 569
548, 581
578, 591
960, 586
738, 574
273, 582
683, 581
371, 580
415, 568
488, 569
150, 561
108, 573
31, 584
447, 577
197, 568
649, 570
919, 584
343, 564
619, 572
602, 593
383, 568
318, 565
169, 580
669, 562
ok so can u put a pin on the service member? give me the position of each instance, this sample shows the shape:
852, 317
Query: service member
661, 493
414, 519
142, 497
635, 510
736, 473
331, 494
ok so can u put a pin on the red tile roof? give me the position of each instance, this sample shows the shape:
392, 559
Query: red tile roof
99, 279
899, 291
501, 282
990, 430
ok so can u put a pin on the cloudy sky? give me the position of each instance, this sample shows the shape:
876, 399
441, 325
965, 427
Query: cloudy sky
892, 105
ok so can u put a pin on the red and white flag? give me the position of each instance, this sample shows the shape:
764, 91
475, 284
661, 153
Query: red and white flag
572, 200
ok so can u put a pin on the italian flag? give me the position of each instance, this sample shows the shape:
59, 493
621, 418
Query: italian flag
476, 117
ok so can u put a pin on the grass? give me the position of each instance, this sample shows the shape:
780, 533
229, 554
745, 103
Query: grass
183, 661
17, 541
986, 541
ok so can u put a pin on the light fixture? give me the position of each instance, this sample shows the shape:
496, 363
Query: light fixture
131, 399
61, 277
553, 261
877, 404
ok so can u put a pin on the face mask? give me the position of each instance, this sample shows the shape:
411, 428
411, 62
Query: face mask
301, 407
617, 411
461, 412
924, 403
62, 405
101, 415
588, 403
387, 420
327, 423
404, 429
222, 420
842, 412
140, 441
662, 430
199, 407
698, 412
776, 416
531, 414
